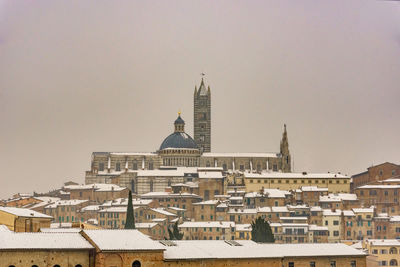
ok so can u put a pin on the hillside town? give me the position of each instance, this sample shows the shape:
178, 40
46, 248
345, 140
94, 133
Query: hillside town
210, 201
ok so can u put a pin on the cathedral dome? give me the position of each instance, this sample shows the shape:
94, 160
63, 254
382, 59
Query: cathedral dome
179, 139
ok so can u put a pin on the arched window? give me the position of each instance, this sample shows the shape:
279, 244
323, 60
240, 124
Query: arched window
136, 264
393, 251
11, 266
78, 265
393, 263
34, 266
56, 265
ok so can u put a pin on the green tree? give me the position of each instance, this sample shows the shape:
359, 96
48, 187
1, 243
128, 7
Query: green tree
175, 234
130, 218
261, 231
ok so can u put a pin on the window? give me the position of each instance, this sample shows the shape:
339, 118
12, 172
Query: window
136, 264
56, 265
151, 186
393, 262
224, 167
312, 263
134, 165
117, 166
291, 264
333, 263
101, 166
335, 233
353, 264
335, 222
150, 165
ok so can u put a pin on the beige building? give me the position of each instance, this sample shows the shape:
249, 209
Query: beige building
98, 193
210, 230
336, 183
387, 251
44, 249
332, 219
66, 210
23, 220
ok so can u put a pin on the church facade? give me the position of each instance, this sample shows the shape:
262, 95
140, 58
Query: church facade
179, 156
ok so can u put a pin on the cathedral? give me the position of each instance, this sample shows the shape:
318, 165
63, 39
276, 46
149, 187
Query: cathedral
180, 156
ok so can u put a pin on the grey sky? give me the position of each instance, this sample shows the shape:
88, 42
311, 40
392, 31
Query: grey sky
83, 76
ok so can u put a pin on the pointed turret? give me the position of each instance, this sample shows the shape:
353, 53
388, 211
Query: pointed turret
284, 149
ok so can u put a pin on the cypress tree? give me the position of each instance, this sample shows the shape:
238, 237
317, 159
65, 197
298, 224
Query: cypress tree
261, 231
130, 218
175, 234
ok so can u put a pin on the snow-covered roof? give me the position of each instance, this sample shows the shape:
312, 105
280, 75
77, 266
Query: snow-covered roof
280, 209
313, 227
122, 240
124, 202
210, 224
242, 211
161, 173
163, 211
263, 209
379, 186
295, 175
294, 218
60, 230
90, 208
243, 227
96, 187
187, 184
21, 212
114, 209
314, 189
363, 210
328, 212
44, 202
338, 197
177, 209
348, 213
395, 219
207, 202
145, 225
61, 225
210, 175
160, 219
35, 241
236, 198
205, 249
384, 242
240, 155
315, 208
168, 195
71, 202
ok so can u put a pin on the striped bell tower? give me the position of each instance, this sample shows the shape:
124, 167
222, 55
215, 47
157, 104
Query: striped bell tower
202, 117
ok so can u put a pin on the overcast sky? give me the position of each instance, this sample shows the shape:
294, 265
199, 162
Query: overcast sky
84, 76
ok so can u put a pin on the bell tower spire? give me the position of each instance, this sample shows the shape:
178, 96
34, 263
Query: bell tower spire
285, 153
202, 116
